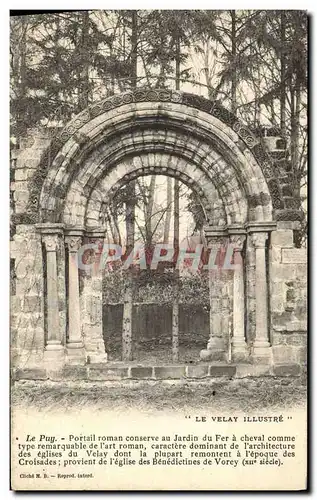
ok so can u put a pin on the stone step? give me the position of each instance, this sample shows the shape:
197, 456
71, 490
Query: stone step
111, 371
116, 371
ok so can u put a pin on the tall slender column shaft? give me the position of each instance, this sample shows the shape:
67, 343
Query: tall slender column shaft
215, 347
261, 343
54, 348
75, 348
239, 346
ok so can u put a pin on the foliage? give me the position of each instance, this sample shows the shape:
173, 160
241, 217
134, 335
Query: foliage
156, 287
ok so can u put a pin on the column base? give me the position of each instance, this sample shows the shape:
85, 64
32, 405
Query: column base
97, 357
215, 350
262, 352
239, 351
76, 354
54, 356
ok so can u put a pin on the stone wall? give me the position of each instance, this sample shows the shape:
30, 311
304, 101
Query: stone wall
288, 297
27, 302
27, 305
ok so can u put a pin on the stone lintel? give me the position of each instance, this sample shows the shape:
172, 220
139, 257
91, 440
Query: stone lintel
95, 232
236, 230
260, 227
215, 231
223, 231
58, 228
74, 231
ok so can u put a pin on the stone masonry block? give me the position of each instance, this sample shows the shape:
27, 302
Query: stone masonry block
284, 354
296, 325
30, 374
26, 321
165, 372
280, 272
141, 372
15, 304
29, 286
33, 336
25, 267
253, 370
222, 370
288, 225
25, 229
31, 162
103, 372
197, 371
278, 304
278, 296
276, 254
302, 355
288, 370
282, 238
21, 197
21, 174
290, 338
75, 372
20, 186
280, 320
278, 289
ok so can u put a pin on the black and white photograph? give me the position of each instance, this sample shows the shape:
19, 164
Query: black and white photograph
158, 249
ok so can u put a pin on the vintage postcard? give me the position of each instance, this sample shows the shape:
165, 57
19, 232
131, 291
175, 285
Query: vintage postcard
158, 251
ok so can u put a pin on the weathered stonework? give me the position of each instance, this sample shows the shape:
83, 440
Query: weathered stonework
288, 296
258, 315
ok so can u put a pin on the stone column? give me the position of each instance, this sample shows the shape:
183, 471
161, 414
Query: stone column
75, 347
54, 350
215, 348
239, 346
261, 345
250, 290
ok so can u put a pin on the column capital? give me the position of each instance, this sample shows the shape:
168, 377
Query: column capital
217, 241
73, 242
259, 239
73, 238
51, 242
216, 235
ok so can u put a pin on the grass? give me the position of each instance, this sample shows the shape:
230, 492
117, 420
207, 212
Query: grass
265, 393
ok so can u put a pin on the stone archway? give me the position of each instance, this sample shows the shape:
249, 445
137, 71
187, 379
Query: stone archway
161, 132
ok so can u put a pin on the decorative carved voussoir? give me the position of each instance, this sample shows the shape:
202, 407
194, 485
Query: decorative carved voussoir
201, 104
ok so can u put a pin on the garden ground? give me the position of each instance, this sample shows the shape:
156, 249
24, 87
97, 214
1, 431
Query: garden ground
221, 394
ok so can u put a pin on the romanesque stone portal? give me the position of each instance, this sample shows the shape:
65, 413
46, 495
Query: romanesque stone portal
61, 185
